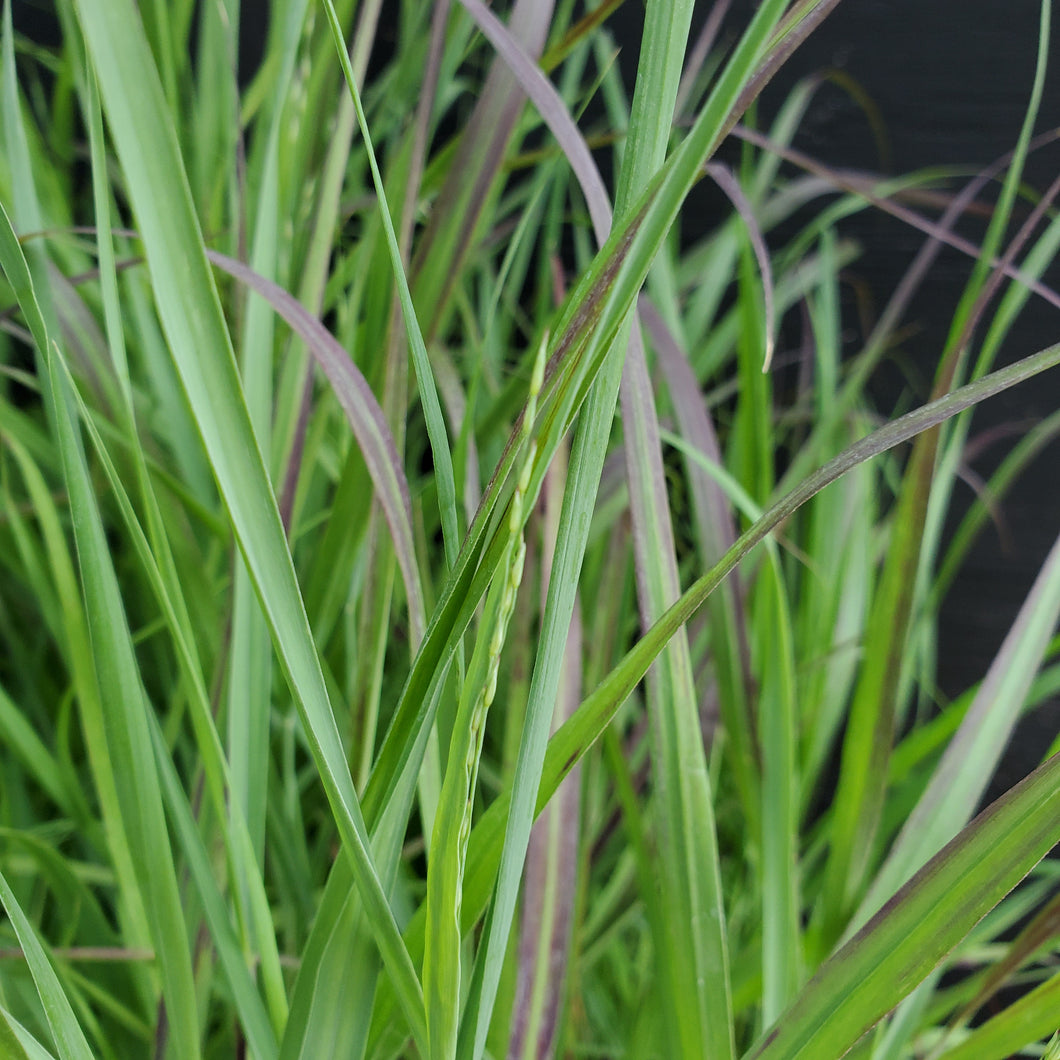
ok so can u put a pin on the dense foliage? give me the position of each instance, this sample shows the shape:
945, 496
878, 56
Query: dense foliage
376, 478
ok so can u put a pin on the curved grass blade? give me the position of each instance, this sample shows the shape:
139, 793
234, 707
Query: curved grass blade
363, 414
723, 177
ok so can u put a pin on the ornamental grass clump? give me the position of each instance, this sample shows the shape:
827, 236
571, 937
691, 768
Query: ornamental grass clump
436, 581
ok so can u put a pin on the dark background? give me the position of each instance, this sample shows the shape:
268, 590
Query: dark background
951, 81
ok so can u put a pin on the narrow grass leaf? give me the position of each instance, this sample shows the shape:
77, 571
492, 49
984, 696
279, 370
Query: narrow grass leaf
253, 1020
452, 824
972, 755
550, 895
363, 414
476, 164
162, 572
778, 704
723, 177
432, 410
715, 533
124, 725
64, 1026
869, 975
16, 1043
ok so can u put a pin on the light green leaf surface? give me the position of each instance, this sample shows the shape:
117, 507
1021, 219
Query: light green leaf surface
64, 1027
191, 317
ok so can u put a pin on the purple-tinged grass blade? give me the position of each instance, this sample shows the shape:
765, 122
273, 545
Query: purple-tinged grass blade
865, 186
363, 414
1040, 932
715, 530
722, 176
875, 705
972, 756
473, 175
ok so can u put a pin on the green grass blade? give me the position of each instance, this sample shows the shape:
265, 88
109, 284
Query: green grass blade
136, 788
363, 414
471, 182
868, 976
16, 1043
972, 755
253, 1019
1022, 1023
875, 708
201, 347
157, 557
252, 901
64, 1026
778, 712
443, 459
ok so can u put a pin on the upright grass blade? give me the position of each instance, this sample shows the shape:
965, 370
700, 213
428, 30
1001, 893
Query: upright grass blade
470, 184
191, 316
443, 460
778, 706
245, 858
553, 864
585, 463
445, 871
248, 722
250, 898
136, 783
971, 758
692, 965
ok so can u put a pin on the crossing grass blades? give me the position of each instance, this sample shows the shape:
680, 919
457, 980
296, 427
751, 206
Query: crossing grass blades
426, 627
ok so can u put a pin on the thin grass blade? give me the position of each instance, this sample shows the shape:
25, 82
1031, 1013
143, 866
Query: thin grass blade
64, 1026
